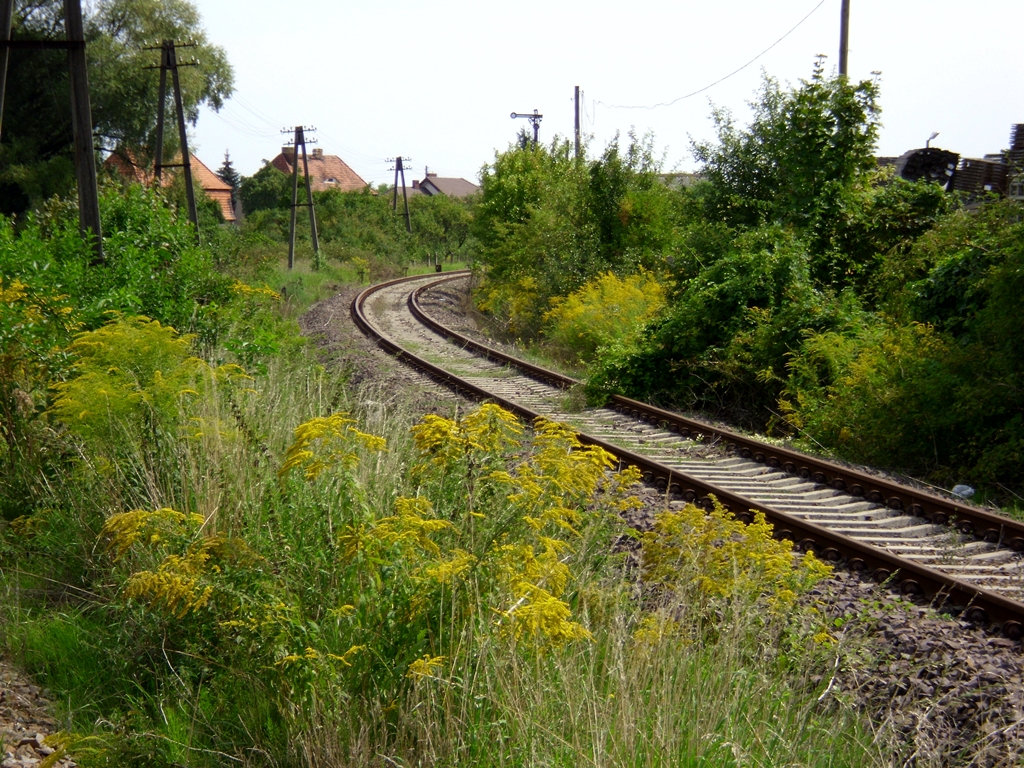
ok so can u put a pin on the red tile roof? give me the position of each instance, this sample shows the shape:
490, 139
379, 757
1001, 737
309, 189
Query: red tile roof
325, 171
215, 188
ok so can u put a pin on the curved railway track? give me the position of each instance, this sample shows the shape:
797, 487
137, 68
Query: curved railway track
964, 559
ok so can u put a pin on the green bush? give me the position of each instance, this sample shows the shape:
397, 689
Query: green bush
547, 222
723, 341
152, 266
606, 309
933, 388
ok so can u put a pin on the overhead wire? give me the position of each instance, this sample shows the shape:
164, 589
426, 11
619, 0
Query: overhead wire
239, 126
719, 80
257, 113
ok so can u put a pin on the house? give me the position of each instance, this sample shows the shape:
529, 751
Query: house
433, 184
325, 171
679, 180
216, 189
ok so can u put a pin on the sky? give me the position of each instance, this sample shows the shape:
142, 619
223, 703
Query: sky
436, 81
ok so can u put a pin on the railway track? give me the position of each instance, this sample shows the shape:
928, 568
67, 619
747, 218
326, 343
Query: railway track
964, 559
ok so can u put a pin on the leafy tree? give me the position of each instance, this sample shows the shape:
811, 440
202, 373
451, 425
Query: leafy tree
267, 189
441, 225
36, 152
803, 146
805, 161
548, 222
632, 210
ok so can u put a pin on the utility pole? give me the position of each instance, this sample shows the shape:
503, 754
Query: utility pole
81, 111
844, 38
577, 122
534, 119
6, 16
400, 169
169, 62
81, 118
300, 141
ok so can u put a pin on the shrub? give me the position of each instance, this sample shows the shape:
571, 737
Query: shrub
131, 385
35, 325
885, 394
605, 309
152, 267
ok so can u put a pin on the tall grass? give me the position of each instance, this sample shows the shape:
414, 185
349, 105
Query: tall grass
458, 598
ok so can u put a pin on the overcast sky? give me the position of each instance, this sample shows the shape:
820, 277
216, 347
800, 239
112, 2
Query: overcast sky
436, 81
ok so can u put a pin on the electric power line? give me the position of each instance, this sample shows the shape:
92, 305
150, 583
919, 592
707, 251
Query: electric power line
720, 80
246, 129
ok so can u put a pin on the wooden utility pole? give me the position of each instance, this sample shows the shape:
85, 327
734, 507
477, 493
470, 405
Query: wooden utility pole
400, 169
844, 38
169, 62
577, 122
6, 16
81, 118
300, 141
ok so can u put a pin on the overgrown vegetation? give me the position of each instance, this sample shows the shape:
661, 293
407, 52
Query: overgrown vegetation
360, 229
211, 551
806, 291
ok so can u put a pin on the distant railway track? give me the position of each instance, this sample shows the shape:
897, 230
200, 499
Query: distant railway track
965, 559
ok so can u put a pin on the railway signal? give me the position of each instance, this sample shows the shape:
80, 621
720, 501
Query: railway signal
534, 119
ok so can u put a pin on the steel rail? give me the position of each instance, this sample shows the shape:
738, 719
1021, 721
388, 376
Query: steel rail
969, 520
977, 604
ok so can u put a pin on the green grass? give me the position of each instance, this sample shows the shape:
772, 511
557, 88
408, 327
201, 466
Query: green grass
307, 569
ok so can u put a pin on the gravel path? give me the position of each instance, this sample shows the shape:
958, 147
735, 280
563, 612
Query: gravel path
25, 720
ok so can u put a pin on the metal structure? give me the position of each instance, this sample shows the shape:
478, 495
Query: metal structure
81, 110
301, 141
169, 63
534, 119
400, 169
930, 164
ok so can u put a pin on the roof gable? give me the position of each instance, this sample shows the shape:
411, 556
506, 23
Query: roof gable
325, 171
123, 161
447, 185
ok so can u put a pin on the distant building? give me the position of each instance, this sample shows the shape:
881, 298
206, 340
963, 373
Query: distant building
680, 179
432, 184
1015, 161
325, 171
980, 176
124, 163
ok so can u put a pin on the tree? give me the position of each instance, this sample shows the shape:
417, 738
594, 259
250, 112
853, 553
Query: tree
267, 189
806, 149
36, 152
441, 224
228, 174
